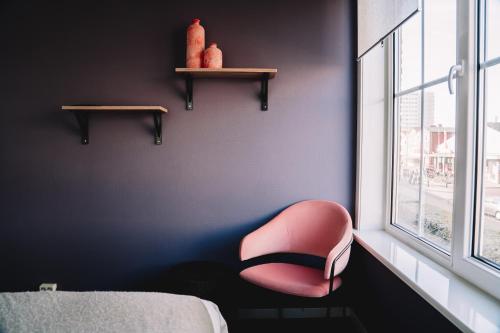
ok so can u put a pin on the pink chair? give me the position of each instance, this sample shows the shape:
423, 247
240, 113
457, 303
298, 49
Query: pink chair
315, 227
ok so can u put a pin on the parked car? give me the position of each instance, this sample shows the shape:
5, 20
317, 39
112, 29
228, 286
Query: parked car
492, 207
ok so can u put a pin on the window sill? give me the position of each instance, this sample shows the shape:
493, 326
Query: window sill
469, 308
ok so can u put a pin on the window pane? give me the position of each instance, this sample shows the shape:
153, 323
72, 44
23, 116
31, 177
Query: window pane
408, 161
439, 38
425, 136
439, 165
493, 28
410, 53
489, 241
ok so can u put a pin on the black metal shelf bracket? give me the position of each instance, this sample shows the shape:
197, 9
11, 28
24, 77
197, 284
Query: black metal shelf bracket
82, 117
264, 94
264, 85
189, 92
157, 127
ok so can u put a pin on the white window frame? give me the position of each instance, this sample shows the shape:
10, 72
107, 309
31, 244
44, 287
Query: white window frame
460, 260
483, 65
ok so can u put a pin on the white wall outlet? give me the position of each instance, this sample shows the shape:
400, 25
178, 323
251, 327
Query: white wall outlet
48, 287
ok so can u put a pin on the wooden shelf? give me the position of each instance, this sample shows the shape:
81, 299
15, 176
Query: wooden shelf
81, 113
148, 108
241, 73
262, 74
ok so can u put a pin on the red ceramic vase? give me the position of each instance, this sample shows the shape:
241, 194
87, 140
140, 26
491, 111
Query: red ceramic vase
212, 57
195, 45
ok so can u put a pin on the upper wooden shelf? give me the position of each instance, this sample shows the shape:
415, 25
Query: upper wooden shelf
243, 73
262, 74
114, 108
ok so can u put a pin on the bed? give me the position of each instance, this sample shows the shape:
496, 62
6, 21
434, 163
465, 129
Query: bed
63, 311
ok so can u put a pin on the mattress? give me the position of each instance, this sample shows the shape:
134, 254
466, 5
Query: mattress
63, 311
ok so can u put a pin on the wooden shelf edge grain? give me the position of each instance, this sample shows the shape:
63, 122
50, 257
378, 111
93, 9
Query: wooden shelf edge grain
114, 108
249, 73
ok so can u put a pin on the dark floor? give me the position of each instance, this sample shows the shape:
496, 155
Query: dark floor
337, 325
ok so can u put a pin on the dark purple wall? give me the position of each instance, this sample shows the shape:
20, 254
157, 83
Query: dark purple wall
116, 213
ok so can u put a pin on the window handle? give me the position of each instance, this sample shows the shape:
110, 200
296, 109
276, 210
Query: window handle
458, 70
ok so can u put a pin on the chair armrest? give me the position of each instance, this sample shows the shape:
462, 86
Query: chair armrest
333, 256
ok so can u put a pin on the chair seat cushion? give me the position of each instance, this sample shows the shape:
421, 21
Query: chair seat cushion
290, 279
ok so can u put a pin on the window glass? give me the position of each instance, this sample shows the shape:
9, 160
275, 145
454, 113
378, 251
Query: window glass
424, 167
439, 165
489, 230
439, 38
492, 29
410, 53
408, 163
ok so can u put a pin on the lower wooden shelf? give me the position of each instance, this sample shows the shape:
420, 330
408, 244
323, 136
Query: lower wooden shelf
81, 113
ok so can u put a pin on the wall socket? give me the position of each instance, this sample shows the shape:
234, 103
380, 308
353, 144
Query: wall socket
48, 287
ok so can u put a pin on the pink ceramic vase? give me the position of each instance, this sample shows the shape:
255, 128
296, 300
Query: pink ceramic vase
195, 45
212, 57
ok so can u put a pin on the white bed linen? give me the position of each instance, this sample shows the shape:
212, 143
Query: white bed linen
63, 311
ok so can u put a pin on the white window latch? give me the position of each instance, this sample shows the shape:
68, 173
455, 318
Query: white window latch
455, 70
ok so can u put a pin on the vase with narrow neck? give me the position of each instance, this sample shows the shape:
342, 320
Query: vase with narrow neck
212, 57
195, 44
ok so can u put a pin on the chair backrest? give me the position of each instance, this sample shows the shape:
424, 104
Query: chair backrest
309, 227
